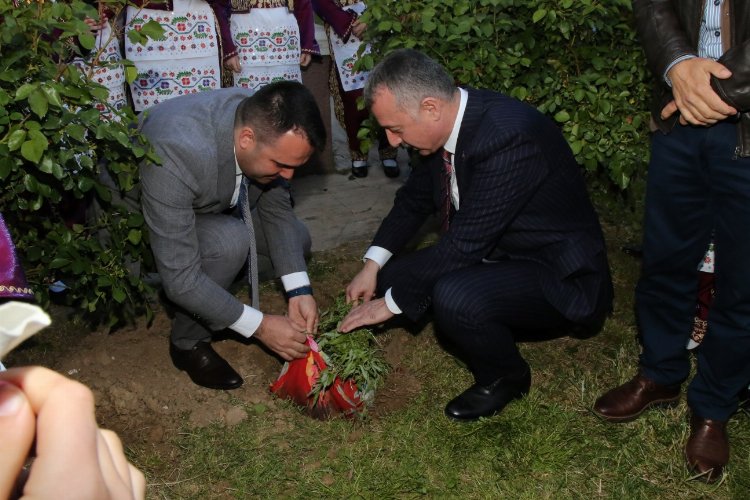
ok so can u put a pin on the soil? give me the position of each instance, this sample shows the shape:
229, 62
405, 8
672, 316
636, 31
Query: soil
142, 397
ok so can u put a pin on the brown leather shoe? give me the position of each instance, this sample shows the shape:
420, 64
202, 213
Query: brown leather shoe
628, 401
707, 449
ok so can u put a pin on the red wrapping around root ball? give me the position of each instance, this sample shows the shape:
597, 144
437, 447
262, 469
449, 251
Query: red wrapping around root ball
298, 377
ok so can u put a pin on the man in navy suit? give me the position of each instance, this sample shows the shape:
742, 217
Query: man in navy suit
521, 249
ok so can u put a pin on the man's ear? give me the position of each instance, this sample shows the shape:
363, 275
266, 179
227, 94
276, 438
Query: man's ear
432, 107
246, 139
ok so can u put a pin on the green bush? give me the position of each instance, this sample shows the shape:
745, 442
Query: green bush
577, 61
53, 142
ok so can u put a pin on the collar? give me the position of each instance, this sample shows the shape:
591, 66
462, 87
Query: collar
450, 145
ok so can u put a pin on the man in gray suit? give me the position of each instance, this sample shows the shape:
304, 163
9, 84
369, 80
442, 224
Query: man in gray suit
221, 150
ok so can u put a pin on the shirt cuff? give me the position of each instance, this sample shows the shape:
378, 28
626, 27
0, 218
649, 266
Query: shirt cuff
389, 302
379, 255
248, 322
678, 60
295, 280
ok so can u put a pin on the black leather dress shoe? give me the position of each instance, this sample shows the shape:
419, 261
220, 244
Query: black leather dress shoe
205, 367
487, 400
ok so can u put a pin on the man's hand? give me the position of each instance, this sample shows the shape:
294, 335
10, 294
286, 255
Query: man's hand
73, 456
370, 313
233, 64
283, 336
364, 283
693, 96
303, 311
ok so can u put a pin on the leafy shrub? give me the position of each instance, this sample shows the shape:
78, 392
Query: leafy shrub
577, 61
53, 143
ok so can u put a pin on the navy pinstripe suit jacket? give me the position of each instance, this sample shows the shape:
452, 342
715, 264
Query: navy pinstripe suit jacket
522, 196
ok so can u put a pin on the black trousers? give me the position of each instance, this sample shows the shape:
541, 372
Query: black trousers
478, 311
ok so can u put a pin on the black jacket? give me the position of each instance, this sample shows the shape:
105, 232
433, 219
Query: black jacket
669, 29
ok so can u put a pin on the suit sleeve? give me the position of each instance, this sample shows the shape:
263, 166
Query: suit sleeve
166, 200
507, 169
285, 234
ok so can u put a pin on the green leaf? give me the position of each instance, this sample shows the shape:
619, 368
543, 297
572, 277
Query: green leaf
25, 90
53, 97
130, 73
538, 15
32, 151
38, 103
87, 40
16, 139
134, 236
562, 116
59, 262
153, 30
118, 294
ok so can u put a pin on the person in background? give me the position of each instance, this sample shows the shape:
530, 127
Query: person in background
521, 249
345, 32
196, 46
274, 40
698, 185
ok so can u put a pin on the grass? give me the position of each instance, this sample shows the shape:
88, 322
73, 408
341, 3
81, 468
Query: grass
548, 445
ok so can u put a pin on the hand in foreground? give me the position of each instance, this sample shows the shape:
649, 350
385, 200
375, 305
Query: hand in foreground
373, 312
693, 96
233, 64
364, 283
283, 336
304, 59
303, 311
74, 458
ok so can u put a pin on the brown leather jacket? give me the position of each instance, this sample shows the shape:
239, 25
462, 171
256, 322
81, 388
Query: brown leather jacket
669, 29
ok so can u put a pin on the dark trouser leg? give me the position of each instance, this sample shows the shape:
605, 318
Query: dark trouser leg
477, 309
724, 356
677, 231
695, 186
224, 243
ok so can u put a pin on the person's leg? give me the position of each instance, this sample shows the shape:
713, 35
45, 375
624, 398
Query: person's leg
724, 355
477, 310
224, 243
350, 118
677, 231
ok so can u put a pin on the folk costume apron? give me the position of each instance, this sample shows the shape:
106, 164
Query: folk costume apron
185, 61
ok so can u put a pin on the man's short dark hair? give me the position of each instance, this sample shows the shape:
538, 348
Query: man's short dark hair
410, 76
280, 107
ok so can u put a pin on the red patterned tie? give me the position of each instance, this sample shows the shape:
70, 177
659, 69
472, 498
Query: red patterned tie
445, 210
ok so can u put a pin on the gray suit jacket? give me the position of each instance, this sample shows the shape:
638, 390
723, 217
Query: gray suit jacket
193, 136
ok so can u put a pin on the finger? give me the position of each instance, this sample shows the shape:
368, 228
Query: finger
66, 433
668, 110
114, 465
16, 434
138, 480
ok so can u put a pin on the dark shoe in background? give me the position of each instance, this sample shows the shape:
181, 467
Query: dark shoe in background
205, 367
707, 449
628, 401
484, 401
359, 168
390, 168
